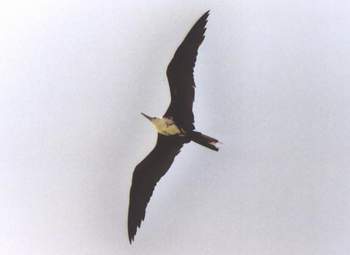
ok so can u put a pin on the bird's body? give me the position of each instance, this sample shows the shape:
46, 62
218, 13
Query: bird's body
165, 126
175, 128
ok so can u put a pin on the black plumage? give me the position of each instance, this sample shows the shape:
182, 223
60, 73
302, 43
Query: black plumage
146, 175
180, 76
156, 164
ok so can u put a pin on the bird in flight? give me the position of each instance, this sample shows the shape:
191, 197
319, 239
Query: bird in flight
174, 129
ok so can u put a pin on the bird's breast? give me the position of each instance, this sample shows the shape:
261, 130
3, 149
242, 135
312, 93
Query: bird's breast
167, 127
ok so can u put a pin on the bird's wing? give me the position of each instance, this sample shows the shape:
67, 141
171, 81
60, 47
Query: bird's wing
146, 175
180, 76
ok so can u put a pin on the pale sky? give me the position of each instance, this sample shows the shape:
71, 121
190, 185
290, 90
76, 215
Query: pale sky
273, 84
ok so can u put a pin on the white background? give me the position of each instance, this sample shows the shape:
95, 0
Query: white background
273, 84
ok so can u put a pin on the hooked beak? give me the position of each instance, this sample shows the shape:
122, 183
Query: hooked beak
146, 116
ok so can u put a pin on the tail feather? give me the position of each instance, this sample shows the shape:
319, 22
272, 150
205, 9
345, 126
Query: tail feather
204, 140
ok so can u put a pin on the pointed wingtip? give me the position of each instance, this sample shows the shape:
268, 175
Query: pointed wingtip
131, 239
131, 235
204, 19
206, 14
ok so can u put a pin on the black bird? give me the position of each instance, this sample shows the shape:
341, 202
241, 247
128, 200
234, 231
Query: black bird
174, 129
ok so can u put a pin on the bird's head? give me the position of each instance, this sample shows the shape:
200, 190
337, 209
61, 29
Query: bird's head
152, 119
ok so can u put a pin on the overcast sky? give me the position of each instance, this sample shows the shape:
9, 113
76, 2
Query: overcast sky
273, 84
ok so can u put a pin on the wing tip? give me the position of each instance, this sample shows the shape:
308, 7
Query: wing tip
132, 235
204, 17
206, 14
204, 20
132, 229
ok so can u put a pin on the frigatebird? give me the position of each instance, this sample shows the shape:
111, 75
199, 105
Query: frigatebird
175, 128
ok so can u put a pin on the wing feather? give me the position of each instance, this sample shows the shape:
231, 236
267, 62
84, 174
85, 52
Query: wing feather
180, 76
146, 175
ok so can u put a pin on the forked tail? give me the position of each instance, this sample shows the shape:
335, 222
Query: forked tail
204, 140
